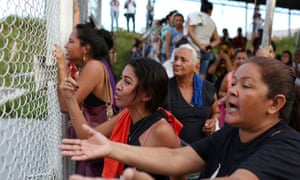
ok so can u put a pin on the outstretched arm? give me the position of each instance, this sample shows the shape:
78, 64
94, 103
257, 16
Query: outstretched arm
157, 160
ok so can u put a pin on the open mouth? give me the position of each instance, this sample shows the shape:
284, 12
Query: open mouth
116, 95
232, 106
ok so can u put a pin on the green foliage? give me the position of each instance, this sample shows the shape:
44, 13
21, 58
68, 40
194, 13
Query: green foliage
27, 106
21, 39
123, 43
286, 43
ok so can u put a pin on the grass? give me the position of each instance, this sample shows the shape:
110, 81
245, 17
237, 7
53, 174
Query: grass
33, 105
20, 40
123, 43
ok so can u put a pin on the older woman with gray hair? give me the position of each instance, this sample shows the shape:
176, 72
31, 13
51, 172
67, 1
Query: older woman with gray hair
191, 99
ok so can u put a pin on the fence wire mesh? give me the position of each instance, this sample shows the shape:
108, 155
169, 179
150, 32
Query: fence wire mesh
30, 120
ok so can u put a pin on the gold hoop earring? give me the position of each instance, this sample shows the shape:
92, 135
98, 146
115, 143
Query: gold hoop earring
83, 59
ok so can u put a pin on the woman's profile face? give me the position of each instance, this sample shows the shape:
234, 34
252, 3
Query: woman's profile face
247, 98
73, 49
126, 88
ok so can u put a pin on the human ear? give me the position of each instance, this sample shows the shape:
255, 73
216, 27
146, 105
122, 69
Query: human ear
146, 96
277, 104
86, 49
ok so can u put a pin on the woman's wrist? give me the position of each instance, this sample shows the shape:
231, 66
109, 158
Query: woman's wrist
62, 70
216, 115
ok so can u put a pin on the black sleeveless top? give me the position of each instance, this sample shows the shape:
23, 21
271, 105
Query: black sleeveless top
93, 101
139, 128
192, 118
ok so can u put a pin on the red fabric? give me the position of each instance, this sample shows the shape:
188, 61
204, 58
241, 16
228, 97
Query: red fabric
113, 168
120, 134
174, 122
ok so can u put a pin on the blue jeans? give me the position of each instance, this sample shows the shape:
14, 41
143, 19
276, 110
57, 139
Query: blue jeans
205, 59
114, 16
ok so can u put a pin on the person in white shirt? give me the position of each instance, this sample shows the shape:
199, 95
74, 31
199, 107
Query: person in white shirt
130, 5
201, 29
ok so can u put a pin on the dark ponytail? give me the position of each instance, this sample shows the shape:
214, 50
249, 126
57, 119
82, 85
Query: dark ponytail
88, 33
107, 36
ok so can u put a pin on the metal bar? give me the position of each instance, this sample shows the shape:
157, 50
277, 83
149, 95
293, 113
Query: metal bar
298, 40
270, 5
290, 32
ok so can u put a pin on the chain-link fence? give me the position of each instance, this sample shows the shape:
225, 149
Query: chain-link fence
31, 125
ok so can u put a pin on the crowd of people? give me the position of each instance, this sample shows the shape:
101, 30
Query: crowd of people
222, 110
